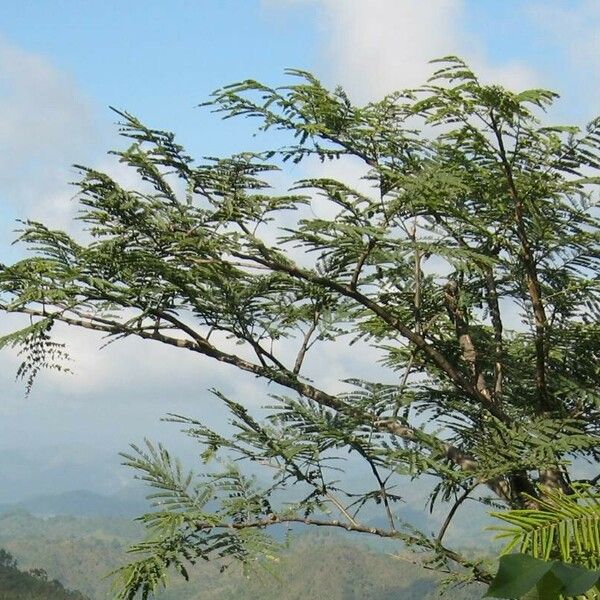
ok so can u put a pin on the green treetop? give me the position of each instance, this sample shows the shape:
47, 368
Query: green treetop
470, 268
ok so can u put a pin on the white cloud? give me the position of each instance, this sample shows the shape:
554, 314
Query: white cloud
47, 124
379, 46
376, 47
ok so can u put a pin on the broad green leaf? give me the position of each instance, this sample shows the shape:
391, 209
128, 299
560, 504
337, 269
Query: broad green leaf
517, 575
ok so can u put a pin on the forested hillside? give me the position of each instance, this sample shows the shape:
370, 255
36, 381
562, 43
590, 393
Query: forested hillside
34, 584
338, 571
80, 552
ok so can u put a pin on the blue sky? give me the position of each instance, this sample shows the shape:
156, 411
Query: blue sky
160, 59
62, 63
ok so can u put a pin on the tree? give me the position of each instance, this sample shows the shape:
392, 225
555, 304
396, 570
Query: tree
470, 271
7, 560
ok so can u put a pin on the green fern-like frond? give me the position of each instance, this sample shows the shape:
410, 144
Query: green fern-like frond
565, 527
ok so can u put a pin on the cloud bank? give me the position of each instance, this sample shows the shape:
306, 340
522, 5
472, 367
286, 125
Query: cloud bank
47, 124
376, 47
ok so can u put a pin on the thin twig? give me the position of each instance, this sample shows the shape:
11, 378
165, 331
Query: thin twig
306, 342
452, 512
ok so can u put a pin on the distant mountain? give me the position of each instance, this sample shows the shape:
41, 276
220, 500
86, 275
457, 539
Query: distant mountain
80, 503
26, 472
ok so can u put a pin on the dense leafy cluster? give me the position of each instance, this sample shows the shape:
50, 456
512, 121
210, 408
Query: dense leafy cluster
468, 268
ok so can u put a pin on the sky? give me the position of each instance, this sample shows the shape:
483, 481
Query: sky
63, 63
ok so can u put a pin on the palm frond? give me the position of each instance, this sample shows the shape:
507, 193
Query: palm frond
565, 527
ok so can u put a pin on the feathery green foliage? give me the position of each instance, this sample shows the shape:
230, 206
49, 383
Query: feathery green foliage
464, 263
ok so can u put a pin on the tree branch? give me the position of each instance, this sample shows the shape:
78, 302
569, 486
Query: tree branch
480, 574
282, 377
495, 314
465, 340
452, 512
360, 263
432, 353
306, 343
532, 281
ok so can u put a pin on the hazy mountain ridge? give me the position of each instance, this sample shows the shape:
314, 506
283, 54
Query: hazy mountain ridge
81, 551
51, 470
79, 537
467, 529
80, 503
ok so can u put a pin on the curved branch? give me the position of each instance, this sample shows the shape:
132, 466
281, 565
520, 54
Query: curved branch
479, 573
283, 377
452, 512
